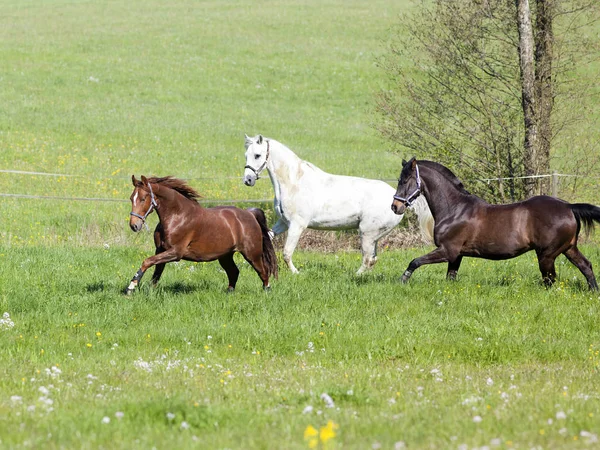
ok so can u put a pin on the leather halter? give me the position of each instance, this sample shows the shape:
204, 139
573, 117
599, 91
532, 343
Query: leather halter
262, 167
153, 205
408, 201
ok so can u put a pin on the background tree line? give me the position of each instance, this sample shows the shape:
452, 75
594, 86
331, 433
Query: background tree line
495, 89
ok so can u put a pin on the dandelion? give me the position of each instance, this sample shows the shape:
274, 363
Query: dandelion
310, 435
328, 432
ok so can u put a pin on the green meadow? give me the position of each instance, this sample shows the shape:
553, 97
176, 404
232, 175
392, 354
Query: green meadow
93, 92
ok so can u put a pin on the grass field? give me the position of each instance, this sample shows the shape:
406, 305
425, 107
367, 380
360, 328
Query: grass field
98, 91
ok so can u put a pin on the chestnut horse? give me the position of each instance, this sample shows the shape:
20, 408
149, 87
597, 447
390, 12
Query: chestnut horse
188, 231
466, 225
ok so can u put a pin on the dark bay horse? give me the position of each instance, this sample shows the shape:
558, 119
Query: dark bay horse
466, 225
188, 231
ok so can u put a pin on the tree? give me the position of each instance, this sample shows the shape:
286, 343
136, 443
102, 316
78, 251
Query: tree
473, 84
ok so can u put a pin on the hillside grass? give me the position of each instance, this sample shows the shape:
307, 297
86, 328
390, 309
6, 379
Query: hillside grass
493, 359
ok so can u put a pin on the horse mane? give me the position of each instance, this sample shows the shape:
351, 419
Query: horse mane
446, 173
178, 185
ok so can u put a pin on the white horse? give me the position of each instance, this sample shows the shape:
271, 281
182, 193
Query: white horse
307, 197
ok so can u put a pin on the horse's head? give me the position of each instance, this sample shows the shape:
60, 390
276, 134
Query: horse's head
257, 157
409, 186
143, 203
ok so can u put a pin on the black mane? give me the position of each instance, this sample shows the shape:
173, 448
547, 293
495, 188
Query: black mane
446, 173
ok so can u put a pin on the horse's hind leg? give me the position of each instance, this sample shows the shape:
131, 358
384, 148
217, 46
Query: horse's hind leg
546, 265
368, 241
228, 265
256, 261
158, 269
294, 232
582, 263
453, 267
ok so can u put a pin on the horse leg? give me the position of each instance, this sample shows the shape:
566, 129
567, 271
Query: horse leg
546, 265
256, 261
438, 255
228, 265
158, 269
162, 258
582, 263
293, 236
453, 267
368, 240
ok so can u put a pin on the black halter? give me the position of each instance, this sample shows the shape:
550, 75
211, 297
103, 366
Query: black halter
153, 205
262, 167
412, 197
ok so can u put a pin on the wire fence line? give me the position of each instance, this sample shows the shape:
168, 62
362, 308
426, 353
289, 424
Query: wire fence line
554, 176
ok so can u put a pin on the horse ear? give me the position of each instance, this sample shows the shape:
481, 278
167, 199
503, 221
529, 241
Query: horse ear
403, 162
414, 163
133, 180
260, 139
144, 180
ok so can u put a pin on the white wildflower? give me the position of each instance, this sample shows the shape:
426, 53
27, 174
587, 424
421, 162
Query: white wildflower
308, 409
328, 400
119, 415
184, 425
477, 419
561, 415
106, 419
170, 416
6, 323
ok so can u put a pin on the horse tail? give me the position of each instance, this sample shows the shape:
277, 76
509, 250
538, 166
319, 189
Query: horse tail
426, 222
586, 214
268, 255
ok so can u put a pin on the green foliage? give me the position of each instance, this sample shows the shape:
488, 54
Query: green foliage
454, 93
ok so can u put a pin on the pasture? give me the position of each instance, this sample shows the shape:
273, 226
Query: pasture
97, 91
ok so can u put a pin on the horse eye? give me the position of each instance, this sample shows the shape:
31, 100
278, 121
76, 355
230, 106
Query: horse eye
256, 156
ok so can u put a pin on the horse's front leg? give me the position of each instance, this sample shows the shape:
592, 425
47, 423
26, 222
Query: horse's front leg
293, 236
162, 258
438, 255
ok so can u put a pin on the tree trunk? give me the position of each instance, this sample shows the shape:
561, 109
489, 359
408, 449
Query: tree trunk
544, 91
526, 64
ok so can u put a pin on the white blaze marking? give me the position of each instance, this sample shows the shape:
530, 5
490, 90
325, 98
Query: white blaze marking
135, 198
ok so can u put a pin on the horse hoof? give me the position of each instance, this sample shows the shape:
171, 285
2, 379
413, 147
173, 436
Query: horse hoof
128, 291
267, 288
230, 290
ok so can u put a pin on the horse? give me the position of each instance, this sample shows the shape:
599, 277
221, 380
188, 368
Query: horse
188, 231
466, 225
308, 197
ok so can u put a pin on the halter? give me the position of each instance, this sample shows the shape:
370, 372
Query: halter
153, 204
408, 201
262, 167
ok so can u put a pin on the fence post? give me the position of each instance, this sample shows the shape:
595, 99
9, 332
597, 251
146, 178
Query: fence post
555, 184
